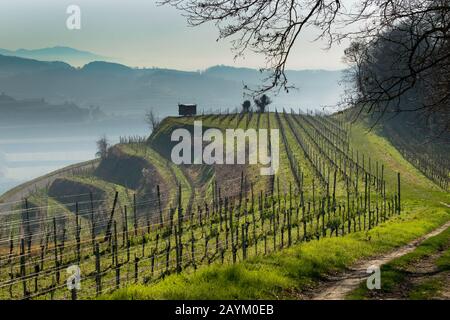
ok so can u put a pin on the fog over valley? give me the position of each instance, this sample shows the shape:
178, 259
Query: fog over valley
28, 151
52, 112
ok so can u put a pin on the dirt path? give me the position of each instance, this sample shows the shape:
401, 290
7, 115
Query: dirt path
443, 203
419, 273
339, 286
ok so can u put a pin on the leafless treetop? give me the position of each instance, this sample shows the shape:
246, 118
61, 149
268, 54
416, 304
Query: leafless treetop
271, 27
268, 27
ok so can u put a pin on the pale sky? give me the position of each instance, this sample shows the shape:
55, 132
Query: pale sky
138, 33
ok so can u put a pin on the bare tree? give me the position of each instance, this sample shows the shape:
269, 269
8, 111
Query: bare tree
271, 27
262, 102
246, 105
268, 27
152, 120
102, 147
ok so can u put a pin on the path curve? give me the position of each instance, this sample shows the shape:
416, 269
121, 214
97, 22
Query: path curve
339, 286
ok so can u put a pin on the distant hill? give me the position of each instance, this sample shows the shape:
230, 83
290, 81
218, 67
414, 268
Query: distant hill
301, 77
13, 66
71, 56
38, 111
313, 88
121, 89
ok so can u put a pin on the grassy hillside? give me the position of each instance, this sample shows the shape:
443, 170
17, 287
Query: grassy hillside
419, 275
221, 231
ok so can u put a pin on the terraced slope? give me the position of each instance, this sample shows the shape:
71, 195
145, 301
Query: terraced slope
336, 198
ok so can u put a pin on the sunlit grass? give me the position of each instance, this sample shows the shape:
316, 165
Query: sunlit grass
291, 270
395, 272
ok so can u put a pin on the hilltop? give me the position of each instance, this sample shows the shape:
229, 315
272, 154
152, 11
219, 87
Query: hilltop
68, 55
123, 89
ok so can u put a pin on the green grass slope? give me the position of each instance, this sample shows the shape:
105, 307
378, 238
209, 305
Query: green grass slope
284, 274
290, 272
